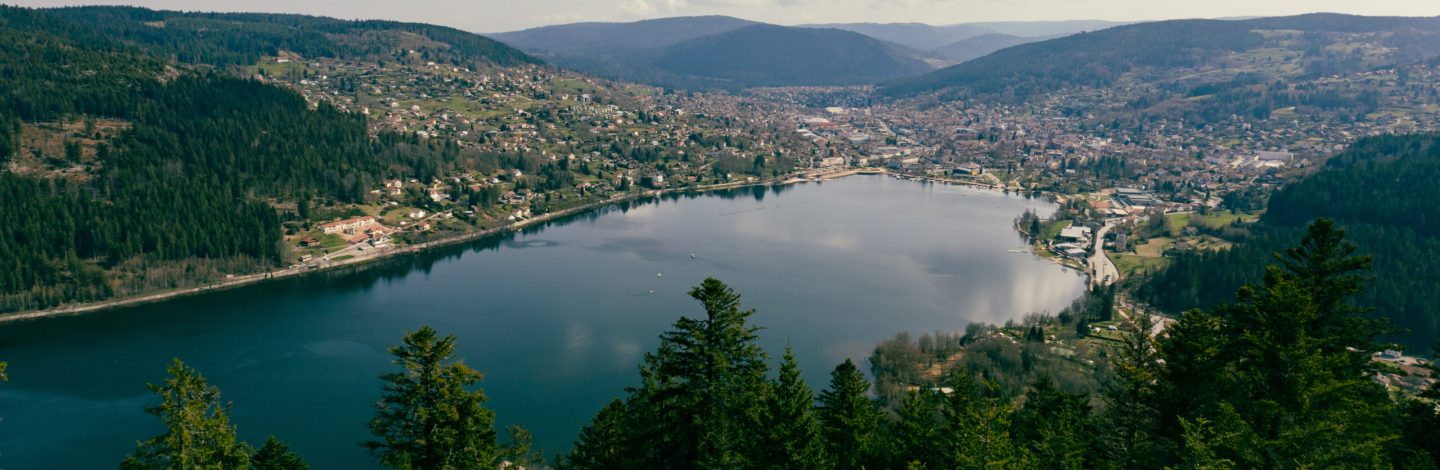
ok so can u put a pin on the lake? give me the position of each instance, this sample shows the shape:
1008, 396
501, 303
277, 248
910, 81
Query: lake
556, 317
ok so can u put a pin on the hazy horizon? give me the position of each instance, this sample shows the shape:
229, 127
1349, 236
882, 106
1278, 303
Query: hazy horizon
490, 16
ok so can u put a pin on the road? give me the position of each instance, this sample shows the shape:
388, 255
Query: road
1103, 271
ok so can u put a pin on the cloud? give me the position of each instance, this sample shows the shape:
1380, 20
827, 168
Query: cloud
642, 8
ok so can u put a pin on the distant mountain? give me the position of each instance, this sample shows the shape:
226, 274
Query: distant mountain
981, 46
919, 36
767, 55
1036, 29
1100, 58
717, 52
240, 39
617, 39
926, 37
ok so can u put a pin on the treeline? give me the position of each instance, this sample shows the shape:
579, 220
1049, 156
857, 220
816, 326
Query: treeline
1097, 59
196, 175
1092, 59
1280, 378
241, 39
1384, 191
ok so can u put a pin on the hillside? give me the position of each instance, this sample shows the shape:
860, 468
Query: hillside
918, 36
1299, 46
1383, 191
717, 52
764, 55
981, 46
1039, 29
617, 39
230, 39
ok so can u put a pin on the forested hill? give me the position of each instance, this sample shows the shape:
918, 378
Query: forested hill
717, 52
1384, 191
226, 39
618, 39
1102, 58
167, 171
766, 55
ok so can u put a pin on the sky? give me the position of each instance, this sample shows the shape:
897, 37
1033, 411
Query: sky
484, 16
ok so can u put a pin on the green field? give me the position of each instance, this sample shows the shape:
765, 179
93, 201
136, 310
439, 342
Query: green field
1129, 265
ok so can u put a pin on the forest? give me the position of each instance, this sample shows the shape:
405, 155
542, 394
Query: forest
201, 170
240, 39
1383, 191
1098, 58
1277, 377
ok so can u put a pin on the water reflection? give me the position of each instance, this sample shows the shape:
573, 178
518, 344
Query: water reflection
557, 316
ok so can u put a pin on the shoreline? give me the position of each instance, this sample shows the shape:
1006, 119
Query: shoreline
378, 255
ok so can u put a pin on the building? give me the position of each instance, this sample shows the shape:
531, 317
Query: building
349, 225
1075, 234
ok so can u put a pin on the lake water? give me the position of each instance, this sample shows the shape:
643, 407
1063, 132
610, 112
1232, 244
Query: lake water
556, 317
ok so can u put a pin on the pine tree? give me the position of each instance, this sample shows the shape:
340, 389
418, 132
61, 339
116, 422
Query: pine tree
275, 455
976, 431
603, 444
198, 433
912, 437
1326, 267
791, 435
1130, 420
429, 417
1053, 426
702, 389
1277, 379
850, 419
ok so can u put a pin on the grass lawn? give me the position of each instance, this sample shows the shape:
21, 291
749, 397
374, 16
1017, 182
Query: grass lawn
1218, 219
1129, 265
331, 241
1052, 229
1154, 247
1176, 223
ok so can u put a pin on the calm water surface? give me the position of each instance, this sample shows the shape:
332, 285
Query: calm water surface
557, 318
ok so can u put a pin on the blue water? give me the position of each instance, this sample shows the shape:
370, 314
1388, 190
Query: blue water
557, 317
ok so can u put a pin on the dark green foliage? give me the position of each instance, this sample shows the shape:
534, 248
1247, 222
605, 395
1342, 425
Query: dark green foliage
701, 400
198, 433
851, 420
275, 455
229, 39
976, 428
604, 443
1383, 191
431, 416
790, 433
701, 389
1054, 427
194, 174
1098, 58
1276, 380
912, 437
767, 55
1086, 59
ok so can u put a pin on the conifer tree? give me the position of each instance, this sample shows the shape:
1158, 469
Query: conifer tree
1131, 420
1053, 426
791, 433
275, 455
912, 437
849, 417
431, 415
198, 433
976, 430
702, 389
603, 444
